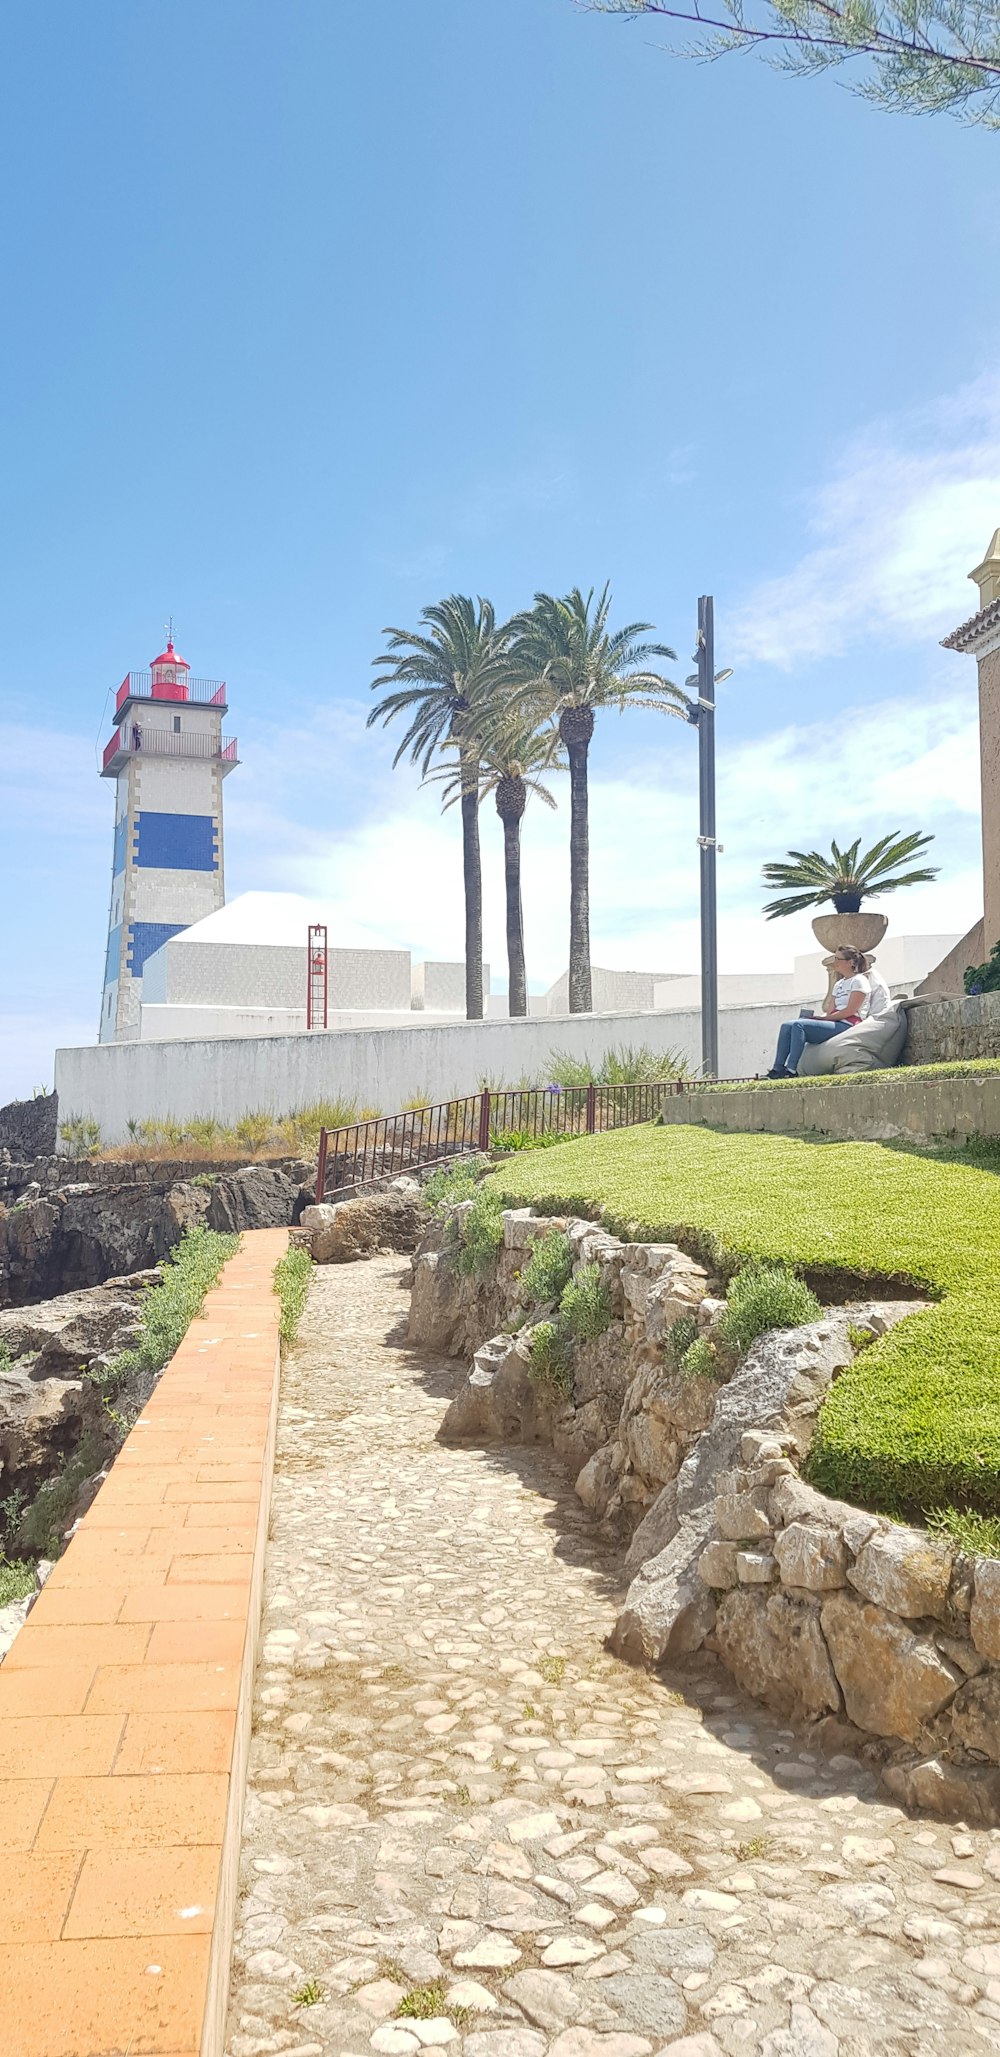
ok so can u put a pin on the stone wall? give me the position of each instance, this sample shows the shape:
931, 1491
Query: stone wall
875, 1107
879, 1637
952, 1030
29, 1128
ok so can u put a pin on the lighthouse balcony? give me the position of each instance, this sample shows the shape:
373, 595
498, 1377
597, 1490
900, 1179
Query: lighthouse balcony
141, 739
141, 685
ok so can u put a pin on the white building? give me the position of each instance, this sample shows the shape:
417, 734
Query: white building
242, 971
168, 758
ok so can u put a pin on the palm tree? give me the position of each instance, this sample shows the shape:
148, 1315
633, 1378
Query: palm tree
514, 753
440, 675
844, 877
572, 666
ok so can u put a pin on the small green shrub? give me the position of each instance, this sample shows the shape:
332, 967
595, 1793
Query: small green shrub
82, 1135
452, 1183
977, 1534
700, 1360
483, 1233
16, 1581
624, 1064
291, 1282
585, 1307
309, 1995
859, 1338
765, 1296
42, 1523
551, 1357
168, 1309
549, 1268
679, 1338
984, 978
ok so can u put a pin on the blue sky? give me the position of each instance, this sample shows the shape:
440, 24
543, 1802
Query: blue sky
313, 314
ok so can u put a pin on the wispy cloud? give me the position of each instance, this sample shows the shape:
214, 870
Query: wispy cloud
909, 509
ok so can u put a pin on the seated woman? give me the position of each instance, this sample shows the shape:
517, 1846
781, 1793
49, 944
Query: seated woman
847, 1006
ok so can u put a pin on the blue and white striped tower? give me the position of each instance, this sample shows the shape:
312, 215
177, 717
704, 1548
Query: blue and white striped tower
168, 758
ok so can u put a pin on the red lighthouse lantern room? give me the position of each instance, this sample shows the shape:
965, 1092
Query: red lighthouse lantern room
169, 674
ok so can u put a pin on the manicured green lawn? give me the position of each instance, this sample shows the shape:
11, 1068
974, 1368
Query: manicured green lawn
915, 1422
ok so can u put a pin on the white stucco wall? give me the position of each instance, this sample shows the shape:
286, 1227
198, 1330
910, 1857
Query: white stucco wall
116, 1082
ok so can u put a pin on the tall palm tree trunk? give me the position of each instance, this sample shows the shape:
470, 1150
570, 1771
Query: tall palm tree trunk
511, 802
576, 726
473, 878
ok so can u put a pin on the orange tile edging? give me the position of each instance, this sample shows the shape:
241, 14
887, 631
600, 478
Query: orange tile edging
125, 1706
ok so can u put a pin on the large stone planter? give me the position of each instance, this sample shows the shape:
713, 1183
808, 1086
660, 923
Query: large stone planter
847, 931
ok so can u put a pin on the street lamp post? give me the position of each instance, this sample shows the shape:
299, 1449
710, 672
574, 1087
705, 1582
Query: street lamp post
701, 714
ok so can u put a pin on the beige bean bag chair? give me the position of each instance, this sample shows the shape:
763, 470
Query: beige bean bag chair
872, 1046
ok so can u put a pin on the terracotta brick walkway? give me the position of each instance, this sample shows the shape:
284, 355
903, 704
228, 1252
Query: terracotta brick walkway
124, 1712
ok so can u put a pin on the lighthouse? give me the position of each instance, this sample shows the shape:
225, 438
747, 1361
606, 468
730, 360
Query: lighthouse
168, 758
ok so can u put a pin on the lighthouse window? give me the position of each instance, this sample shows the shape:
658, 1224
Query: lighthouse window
177, 724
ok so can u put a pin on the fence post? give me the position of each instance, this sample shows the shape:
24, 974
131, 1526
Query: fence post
484, 1119
591, 1109
321, 1168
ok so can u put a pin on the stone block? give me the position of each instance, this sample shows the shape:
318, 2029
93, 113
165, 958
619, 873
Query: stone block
905, 1571
655, 1530
985, 1618
773, 1646
740, 1517
975, 1716
792, 1500
813, 1557
598, 1480
959, 1652
758, 1445
522, 1228
755, 1567
717, 1565
962, 1792
894, 1681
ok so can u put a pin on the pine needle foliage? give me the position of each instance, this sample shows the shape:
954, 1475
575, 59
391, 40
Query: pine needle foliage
907, 56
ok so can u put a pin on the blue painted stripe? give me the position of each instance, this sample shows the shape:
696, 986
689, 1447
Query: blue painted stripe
176, 842
113, 957
146, 936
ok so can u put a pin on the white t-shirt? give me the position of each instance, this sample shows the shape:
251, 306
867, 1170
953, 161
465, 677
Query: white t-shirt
845, 987
880, 998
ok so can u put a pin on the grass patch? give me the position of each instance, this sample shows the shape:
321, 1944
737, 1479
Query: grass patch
585, 1307
753, 1849
553, 1670
977, 1534
291, 1283
452, 1183
40, 1529
167, 1310
913, 1424
549, 1268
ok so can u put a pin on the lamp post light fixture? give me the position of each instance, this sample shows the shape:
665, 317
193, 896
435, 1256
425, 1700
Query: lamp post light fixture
701, 715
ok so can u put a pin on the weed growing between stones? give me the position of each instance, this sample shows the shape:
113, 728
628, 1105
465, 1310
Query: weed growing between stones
700, 1360
678, 1340
553, 1670
291, 1283
549, 1268
585, 1307
765, 1296
309, 1995
550, 1357
423, 2003
754, 1848
40, 1528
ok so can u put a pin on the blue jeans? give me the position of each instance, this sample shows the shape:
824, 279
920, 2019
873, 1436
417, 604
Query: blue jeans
794, 1035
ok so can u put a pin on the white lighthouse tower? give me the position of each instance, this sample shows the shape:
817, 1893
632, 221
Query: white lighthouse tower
168, 757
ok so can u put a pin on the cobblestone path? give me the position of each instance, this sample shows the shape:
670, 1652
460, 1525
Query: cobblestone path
457, 1794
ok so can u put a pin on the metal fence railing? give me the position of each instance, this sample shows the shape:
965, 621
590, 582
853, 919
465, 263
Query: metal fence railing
364, 1153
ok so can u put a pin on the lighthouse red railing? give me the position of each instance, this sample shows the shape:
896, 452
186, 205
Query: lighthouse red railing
138, 685
140, 739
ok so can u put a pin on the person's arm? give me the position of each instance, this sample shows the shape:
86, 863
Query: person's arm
855, 1005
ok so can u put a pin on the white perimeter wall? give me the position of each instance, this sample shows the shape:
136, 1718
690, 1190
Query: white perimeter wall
115, 1082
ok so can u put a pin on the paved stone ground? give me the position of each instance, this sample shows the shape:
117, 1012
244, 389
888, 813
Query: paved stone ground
456, 1792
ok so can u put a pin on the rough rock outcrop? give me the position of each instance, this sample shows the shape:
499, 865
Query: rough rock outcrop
29, 1128
380, 1222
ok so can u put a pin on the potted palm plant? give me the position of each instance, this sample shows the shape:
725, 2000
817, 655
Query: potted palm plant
845, 879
